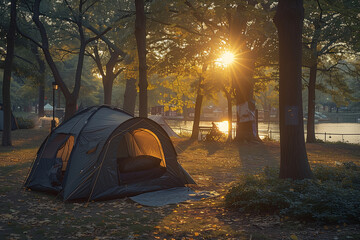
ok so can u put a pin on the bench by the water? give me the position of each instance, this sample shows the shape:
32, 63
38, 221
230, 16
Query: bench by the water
210, 133
203, 131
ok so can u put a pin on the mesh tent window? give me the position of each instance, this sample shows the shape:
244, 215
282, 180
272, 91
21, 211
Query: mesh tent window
59, 147
65, 151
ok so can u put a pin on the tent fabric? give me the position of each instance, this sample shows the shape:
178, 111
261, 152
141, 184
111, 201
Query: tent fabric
14, 124
91, 146
161, 121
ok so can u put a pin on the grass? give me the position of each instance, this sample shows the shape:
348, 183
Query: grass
330, 197
214, 166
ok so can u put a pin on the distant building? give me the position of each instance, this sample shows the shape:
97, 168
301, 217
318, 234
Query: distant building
160, 110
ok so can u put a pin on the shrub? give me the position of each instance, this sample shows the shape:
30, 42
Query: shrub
332, 196
25, 123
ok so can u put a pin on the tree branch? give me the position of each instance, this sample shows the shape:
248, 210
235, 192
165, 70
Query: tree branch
70, 8
25, 60
91, 5
178, 26
98, 35
321, 11
98, 61
199, 17
45, 48
106, 40
118, 72
28, 37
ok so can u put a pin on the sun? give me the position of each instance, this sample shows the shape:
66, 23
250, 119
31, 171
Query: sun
226, 59
223, 126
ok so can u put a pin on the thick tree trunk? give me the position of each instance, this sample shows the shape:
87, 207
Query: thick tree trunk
198, 105
70, 107
310, 135
71, 102
108, 82
140, 34
10, 45
108, 77
242, 76
244, 88
130, 96
293, 158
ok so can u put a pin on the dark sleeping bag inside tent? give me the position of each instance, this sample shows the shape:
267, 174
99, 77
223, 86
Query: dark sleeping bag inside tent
139, 168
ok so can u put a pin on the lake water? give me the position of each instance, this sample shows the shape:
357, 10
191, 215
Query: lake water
334, 131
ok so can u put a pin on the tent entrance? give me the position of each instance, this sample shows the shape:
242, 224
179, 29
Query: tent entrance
57, 153
140, 157
65, 151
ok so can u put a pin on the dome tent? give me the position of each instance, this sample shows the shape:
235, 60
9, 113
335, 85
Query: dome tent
14, 124
102, 153
161, 121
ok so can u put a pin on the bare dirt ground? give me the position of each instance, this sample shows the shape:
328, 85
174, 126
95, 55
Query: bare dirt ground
214, 166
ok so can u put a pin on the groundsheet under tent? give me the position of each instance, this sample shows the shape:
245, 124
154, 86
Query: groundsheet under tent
171, 196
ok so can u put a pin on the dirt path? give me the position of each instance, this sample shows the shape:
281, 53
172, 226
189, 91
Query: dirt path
214, 166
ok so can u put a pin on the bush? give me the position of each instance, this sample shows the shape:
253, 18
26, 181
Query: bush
25, 123
332, 196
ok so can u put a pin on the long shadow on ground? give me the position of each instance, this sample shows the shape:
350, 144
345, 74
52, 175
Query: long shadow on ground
254, 157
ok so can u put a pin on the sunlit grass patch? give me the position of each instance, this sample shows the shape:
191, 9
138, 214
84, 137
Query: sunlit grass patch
198, 221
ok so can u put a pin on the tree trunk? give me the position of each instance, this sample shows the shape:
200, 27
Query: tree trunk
310, 135
70, 107
109, 78
108, 82
185, 108
198, 105
229, 105
244, 88
71, 97
10, 45
41, 80
293, 158
71, 102
140, 34
242, 76
49, 59
130, 96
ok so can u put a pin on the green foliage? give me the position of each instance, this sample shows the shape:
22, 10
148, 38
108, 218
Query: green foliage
25, 123
332, 196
